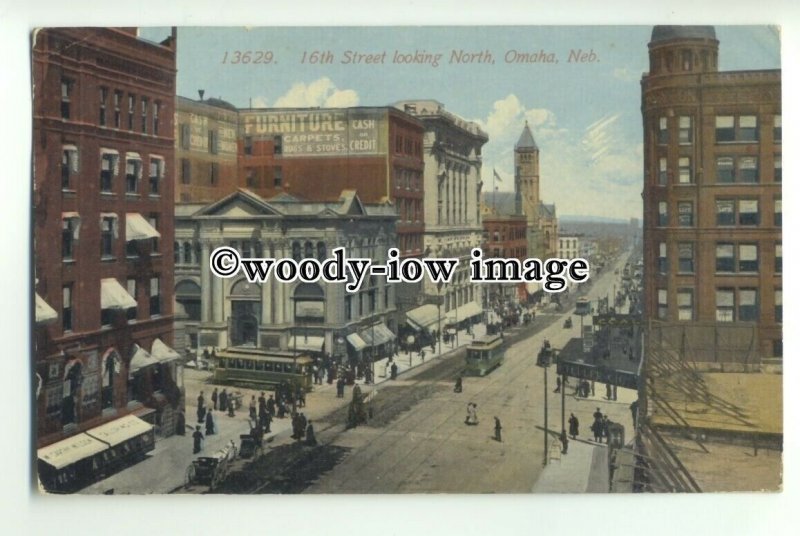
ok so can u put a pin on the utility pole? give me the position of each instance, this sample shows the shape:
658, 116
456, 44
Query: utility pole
544, 455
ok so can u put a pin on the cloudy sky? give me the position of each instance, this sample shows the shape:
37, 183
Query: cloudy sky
584, 114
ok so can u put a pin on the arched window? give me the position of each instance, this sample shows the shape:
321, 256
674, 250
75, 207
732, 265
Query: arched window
187, 294
296, 252
243, 289
322, 251
309, 303
309, 251
198, 253
187, 252
177, 251
245, 312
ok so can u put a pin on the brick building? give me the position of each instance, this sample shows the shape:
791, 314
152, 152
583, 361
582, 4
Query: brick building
712, 193
103, 223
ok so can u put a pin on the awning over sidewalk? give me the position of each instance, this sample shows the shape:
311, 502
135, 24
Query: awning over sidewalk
141, 359
120, 430
308, 344
44, 313
376, 335
138, 228
356, 342
465, 312
424, 318
113, 296
70, 450
162, 352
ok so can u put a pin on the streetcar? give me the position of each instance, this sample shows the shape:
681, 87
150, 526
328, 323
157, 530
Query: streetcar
484, 354
583, 306
258, 366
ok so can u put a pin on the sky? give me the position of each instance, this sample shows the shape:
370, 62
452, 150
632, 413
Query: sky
585, 115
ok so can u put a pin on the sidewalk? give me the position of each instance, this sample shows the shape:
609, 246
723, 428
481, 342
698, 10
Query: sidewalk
583, 469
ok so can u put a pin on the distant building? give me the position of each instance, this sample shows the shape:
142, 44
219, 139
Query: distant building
570, 246
504, 235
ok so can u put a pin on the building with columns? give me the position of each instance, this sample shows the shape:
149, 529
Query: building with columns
452, 183
317, 318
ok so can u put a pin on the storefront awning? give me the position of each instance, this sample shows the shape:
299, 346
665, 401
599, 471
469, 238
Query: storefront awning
44, 313
356, 342
424, 318
376, 335
308, 344
113, 296
70, 450
138, 228
120, 430
465, 312
141, 358
162, 352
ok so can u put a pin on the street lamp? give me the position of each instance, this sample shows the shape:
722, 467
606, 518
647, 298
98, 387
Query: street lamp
544, 362
439, 306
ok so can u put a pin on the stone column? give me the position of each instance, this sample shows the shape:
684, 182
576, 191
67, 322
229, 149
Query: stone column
205, 283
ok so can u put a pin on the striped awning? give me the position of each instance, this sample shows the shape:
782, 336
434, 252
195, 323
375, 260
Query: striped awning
44, 313
356, 342
162, 352
423, 318
465, 312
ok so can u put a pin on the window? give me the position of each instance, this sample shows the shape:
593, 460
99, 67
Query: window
186, 171
248, 145
131, 286
187, 253
69, 165
322, 253
131, 108
117, 105
663, 217
724, 128
308, 250
296, 251
348, 307
156, 112
278, 176
277, 145
108, 227
153, 219
662, 171
685, 170
725, 257
212, 142
748, 258
777, 347
246, 249
685, 298
778, 213
685, 257
106, 317
662, 304
66, 308
108, 170
662, 257
185, 136
684, 129
214, 173
685, 214
724, 303
748, 128
779, 305
156, 174
748, 212
663, 133
103, 100
778, 258
155, 296
66, 93
725, 212
725, 170
777, 130
70, 227
778, 172
250, 179
748, 305
133, 172
144, 115
748, 169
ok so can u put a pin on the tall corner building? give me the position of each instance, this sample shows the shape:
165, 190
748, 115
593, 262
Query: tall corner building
712, 191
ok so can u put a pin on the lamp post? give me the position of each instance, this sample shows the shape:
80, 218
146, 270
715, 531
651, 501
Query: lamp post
439, 306
544, 362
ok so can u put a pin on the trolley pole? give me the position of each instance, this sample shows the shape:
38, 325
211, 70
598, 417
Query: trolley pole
544, 454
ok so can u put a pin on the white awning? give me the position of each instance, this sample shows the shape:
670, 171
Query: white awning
109, 151
308, 344
120, 430
70, 450
114, 296
162, 352
132, 156
466, 311
356, 342
533, 287
44, 313
376, 335
138, 228
141, 359
425, 317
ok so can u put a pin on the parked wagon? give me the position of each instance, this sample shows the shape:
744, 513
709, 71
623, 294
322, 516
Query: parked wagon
212, 470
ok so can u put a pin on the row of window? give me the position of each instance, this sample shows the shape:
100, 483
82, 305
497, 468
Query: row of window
277, 145
729, 212
409, 210
185, 138
109, 232
409, 146
728, 128
253, 180
106, 315
116, 109
740, 257
731, 304
109, 170
186, 171
729, 170
407, 179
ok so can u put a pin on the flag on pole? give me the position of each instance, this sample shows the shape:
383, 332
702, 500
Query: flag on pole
496, 176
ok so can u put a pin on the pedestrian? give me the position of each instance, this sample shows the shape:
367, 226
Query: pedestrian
458, 384
295, 426
231, 407
301, 398
604, 427
608, 391
253, 414
614, 393
573, 425
210, 429
311, 438
198, 439
214, 398
394, 371
597, 430
302, 423
634, 411
201, 409
223, 400
598, 415
340, 388
558, 385
497, 428
271, 406
564, 441
180, 425
281, 408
